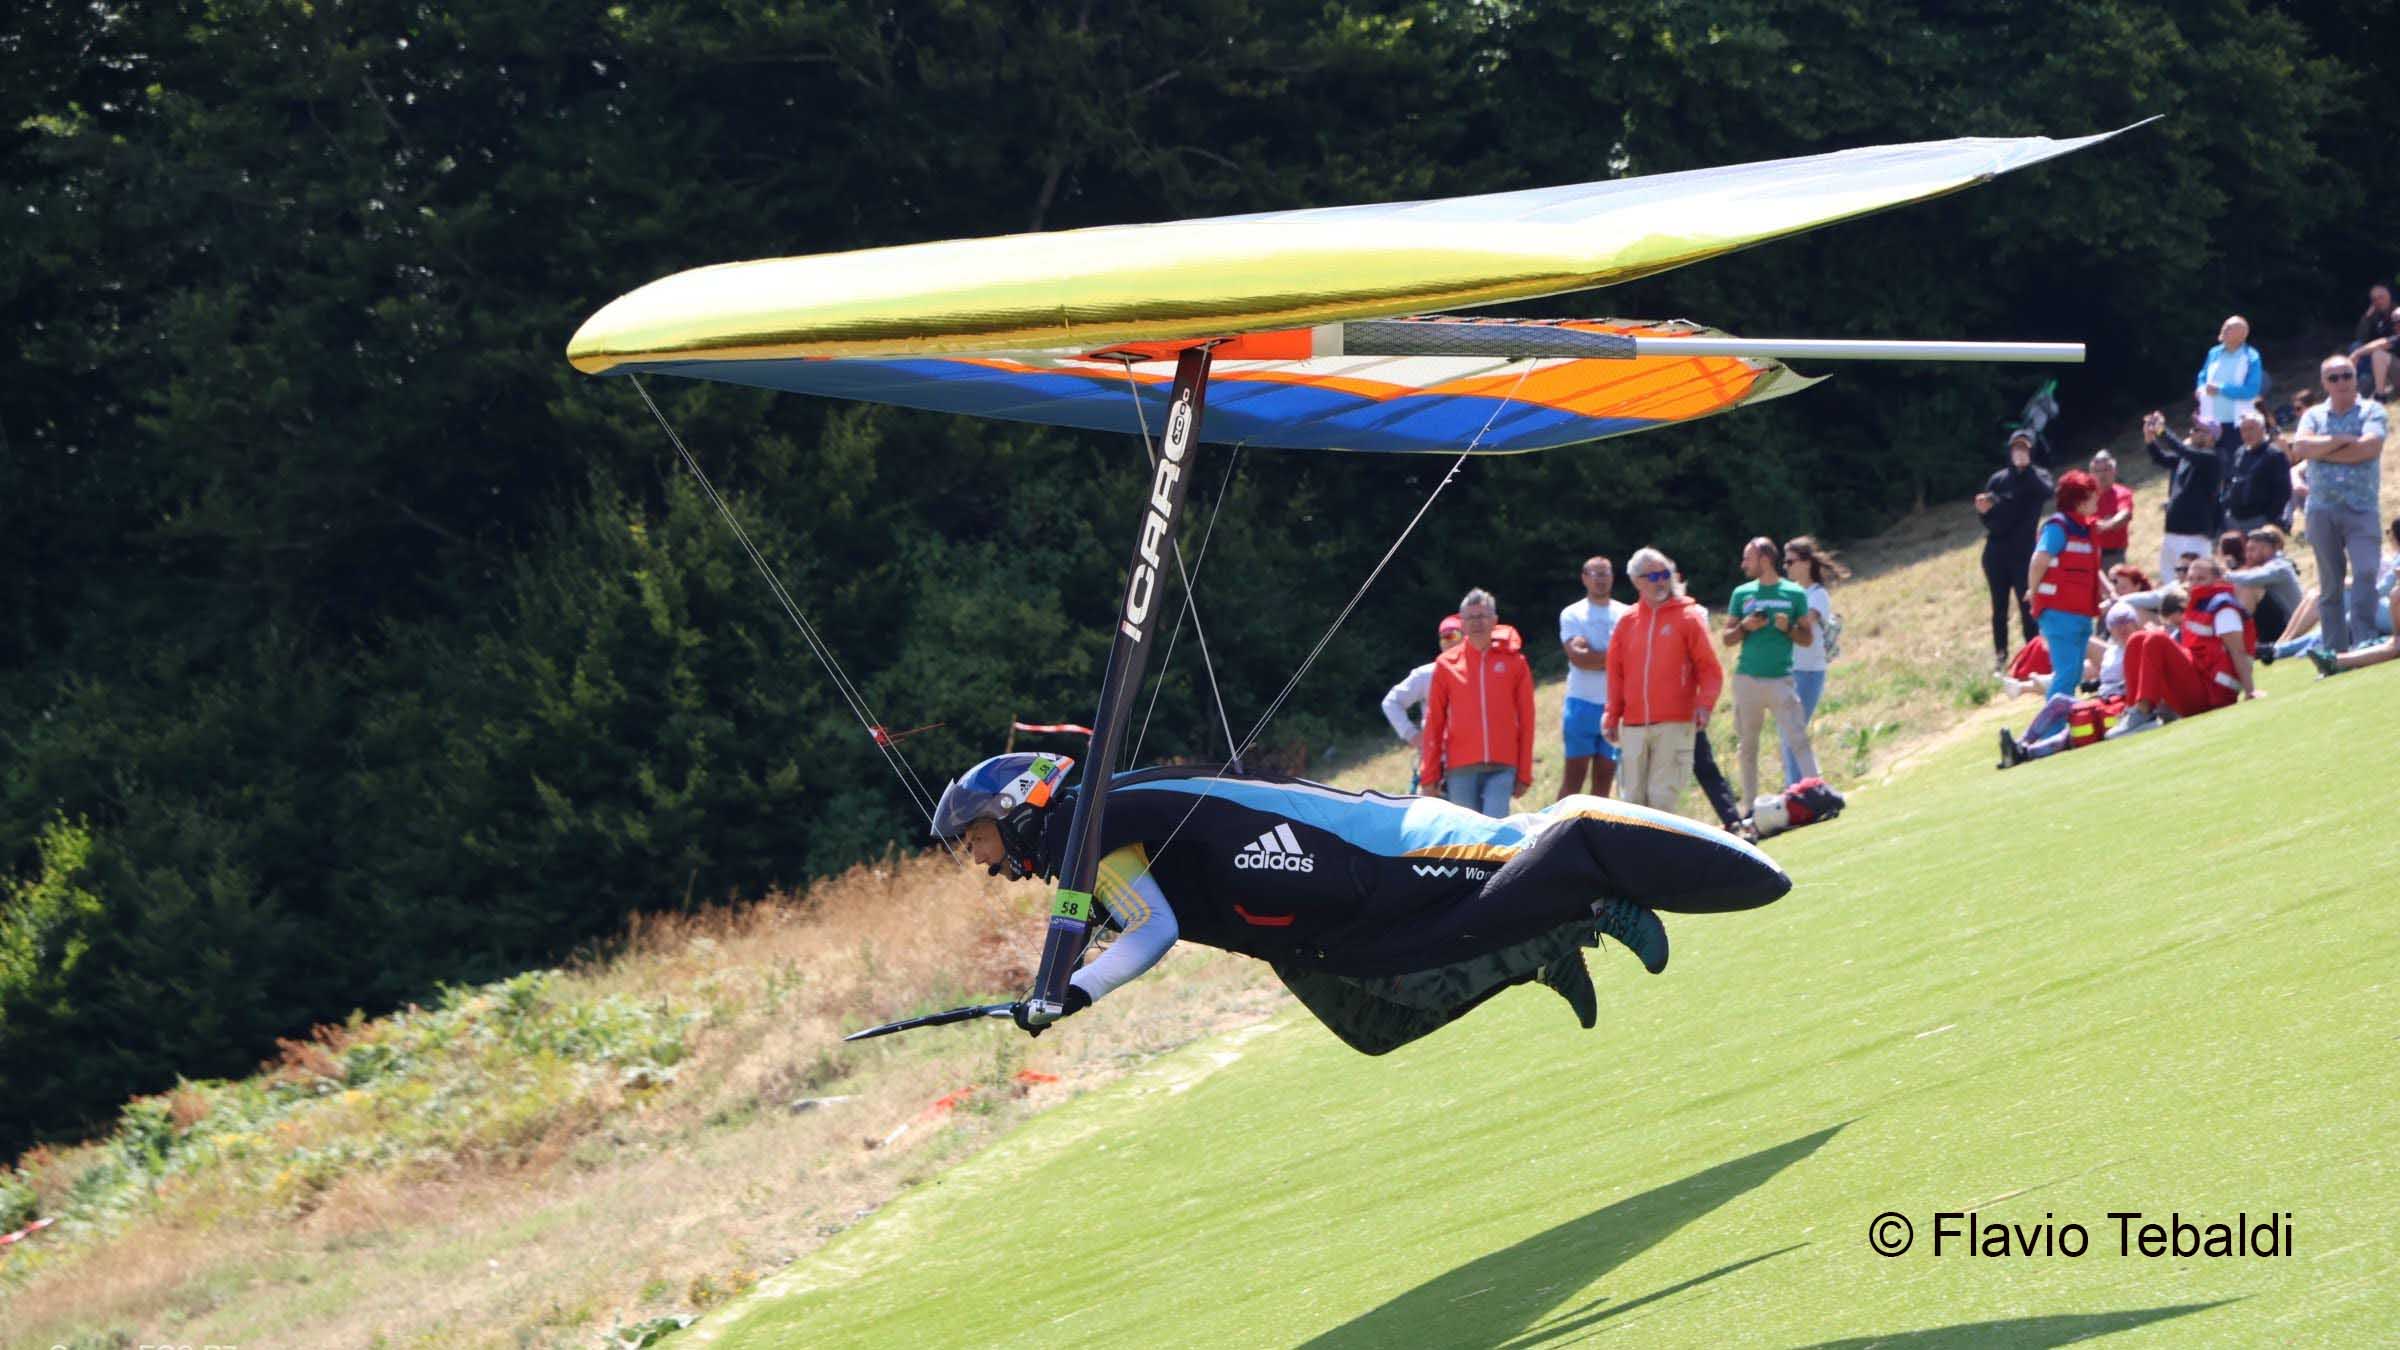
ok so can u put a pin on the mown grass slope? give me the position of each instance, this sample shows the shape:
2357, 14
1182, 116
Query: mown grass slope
2153, 976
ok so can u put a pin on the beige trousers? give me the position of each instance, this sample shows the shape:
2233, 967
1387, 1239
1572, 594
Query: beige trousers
1753, 699
1655, 764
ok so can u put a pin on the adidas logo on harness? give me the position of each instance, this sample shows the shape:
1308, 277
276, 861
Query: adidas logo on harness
1278, 850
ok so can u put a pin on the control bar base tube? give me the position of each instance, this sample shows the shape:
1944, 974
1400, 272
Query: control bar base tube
1511, 341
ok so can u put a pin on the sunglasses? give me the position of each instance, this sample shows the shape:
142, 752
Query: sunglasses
1654, 576
2340, 376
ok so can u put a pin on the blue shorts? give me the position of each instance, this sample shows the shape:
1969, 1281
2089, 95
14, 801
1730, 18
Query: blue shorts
1581, 730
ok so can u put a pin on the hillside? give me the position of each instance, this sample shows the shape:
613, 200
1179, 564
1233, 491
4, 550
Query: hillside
1978, 999
581, 1152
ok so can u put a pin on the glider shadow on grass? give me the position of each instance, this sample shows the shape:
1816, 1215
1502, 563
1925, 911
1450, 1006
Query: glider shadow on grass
1506, 1298
2023, 1332
1500, 1298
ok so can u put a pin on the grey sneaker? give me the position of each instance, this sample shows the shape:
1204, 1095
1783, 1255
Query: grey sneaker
1637, 928
2136, 720
1572, 982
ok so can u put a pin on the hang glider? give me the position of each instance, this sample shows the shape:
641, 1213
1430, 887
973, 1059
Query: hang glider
1297, 329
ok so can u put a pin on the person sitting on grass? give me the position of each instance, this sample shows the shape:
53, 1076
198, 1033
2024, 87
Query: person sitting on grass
2303, 635
2268, 586
2126, 579
1388, 917
2328, 663
2205, 666
2085, 720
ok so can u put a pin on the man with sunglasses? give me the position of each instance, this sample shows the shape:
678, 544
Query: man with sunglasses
2341, 439
1663, 678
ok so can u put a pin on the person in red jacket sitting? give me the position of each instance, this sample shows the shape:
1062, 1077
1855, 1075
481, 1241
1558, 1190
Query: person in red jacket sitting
1478, 734
2204, 666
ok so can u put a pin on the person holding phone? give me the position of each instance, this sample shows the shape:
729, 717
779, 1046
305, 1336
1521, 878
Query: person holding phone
1767, 617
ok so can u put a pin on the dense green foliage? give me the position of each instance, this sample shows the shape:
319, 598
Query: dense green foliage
353, 641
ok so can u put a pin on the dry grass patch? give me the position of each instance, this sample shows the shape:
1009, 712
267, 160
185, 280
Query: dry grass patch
546, 1159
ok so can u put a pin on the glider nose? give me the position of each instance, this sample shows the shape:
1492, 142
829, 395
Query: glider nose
1721, 874
1749, 878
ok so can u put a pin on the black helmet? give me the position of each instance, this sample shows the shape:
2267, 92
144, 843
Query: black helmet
1012, 791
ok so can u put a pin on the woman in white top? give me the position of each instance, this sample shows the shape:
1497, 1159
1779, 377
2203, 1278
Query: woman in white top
1810, 566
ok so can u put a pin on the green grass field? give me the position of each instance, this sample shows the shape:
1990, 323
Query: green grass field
2154, 976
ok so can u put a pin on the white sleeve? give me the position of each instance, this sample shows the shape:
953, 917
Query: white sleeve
1149, 929
1405, 695
2228, 622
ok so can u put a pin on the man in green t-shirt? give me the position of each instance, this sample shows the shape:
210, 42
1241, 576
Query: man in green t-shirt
1766, 618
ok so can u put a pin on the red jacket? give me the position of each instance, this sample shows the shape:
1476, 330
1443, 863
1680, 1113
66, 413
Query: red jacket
1480, 709
1662, 665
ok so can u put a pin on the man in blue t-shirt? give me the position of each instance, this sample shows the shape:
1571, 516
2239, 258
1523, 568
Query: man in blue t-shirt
1584, 629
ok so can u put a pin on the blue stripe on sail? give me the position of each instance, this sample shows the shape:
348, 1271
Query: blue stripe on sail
1272, 414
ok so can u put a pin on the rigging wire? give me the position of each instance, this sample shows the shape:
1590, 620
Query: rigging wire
1448, 477
918, 795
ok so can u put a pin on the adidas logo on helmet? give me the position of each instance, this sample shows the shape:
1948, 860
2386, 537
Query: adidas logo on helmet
1278, 850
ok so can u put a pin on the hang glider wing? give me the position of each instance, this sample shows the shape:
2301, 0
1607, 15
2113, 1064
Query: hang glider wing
1084, 290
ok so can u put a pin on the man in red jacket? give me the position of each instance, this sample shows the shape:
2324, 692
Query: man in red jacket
1478, 735
1663, 677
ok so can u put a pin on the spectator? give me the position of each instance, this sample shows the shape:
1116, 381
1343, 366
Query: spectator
2126, 579
2011, 506
1663, 677
2192, 510
2232, 549
2204, 666
2231, 374
2064, 578
1478, 741
2267, 585
2301, 636
2294, 515
1713, 787
1411, 691
2372, 341
2328, 663
2258, 483
2112, 510
2085, 719
1767, 617
2342, 440
1583, 630
1811, 568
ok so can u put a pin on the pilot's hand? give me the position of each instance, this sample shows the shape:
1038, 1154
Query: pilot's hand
1034, 1024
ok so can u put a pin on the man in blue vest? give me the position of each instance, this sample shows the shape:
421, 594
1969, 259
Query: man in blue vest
1389, 917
